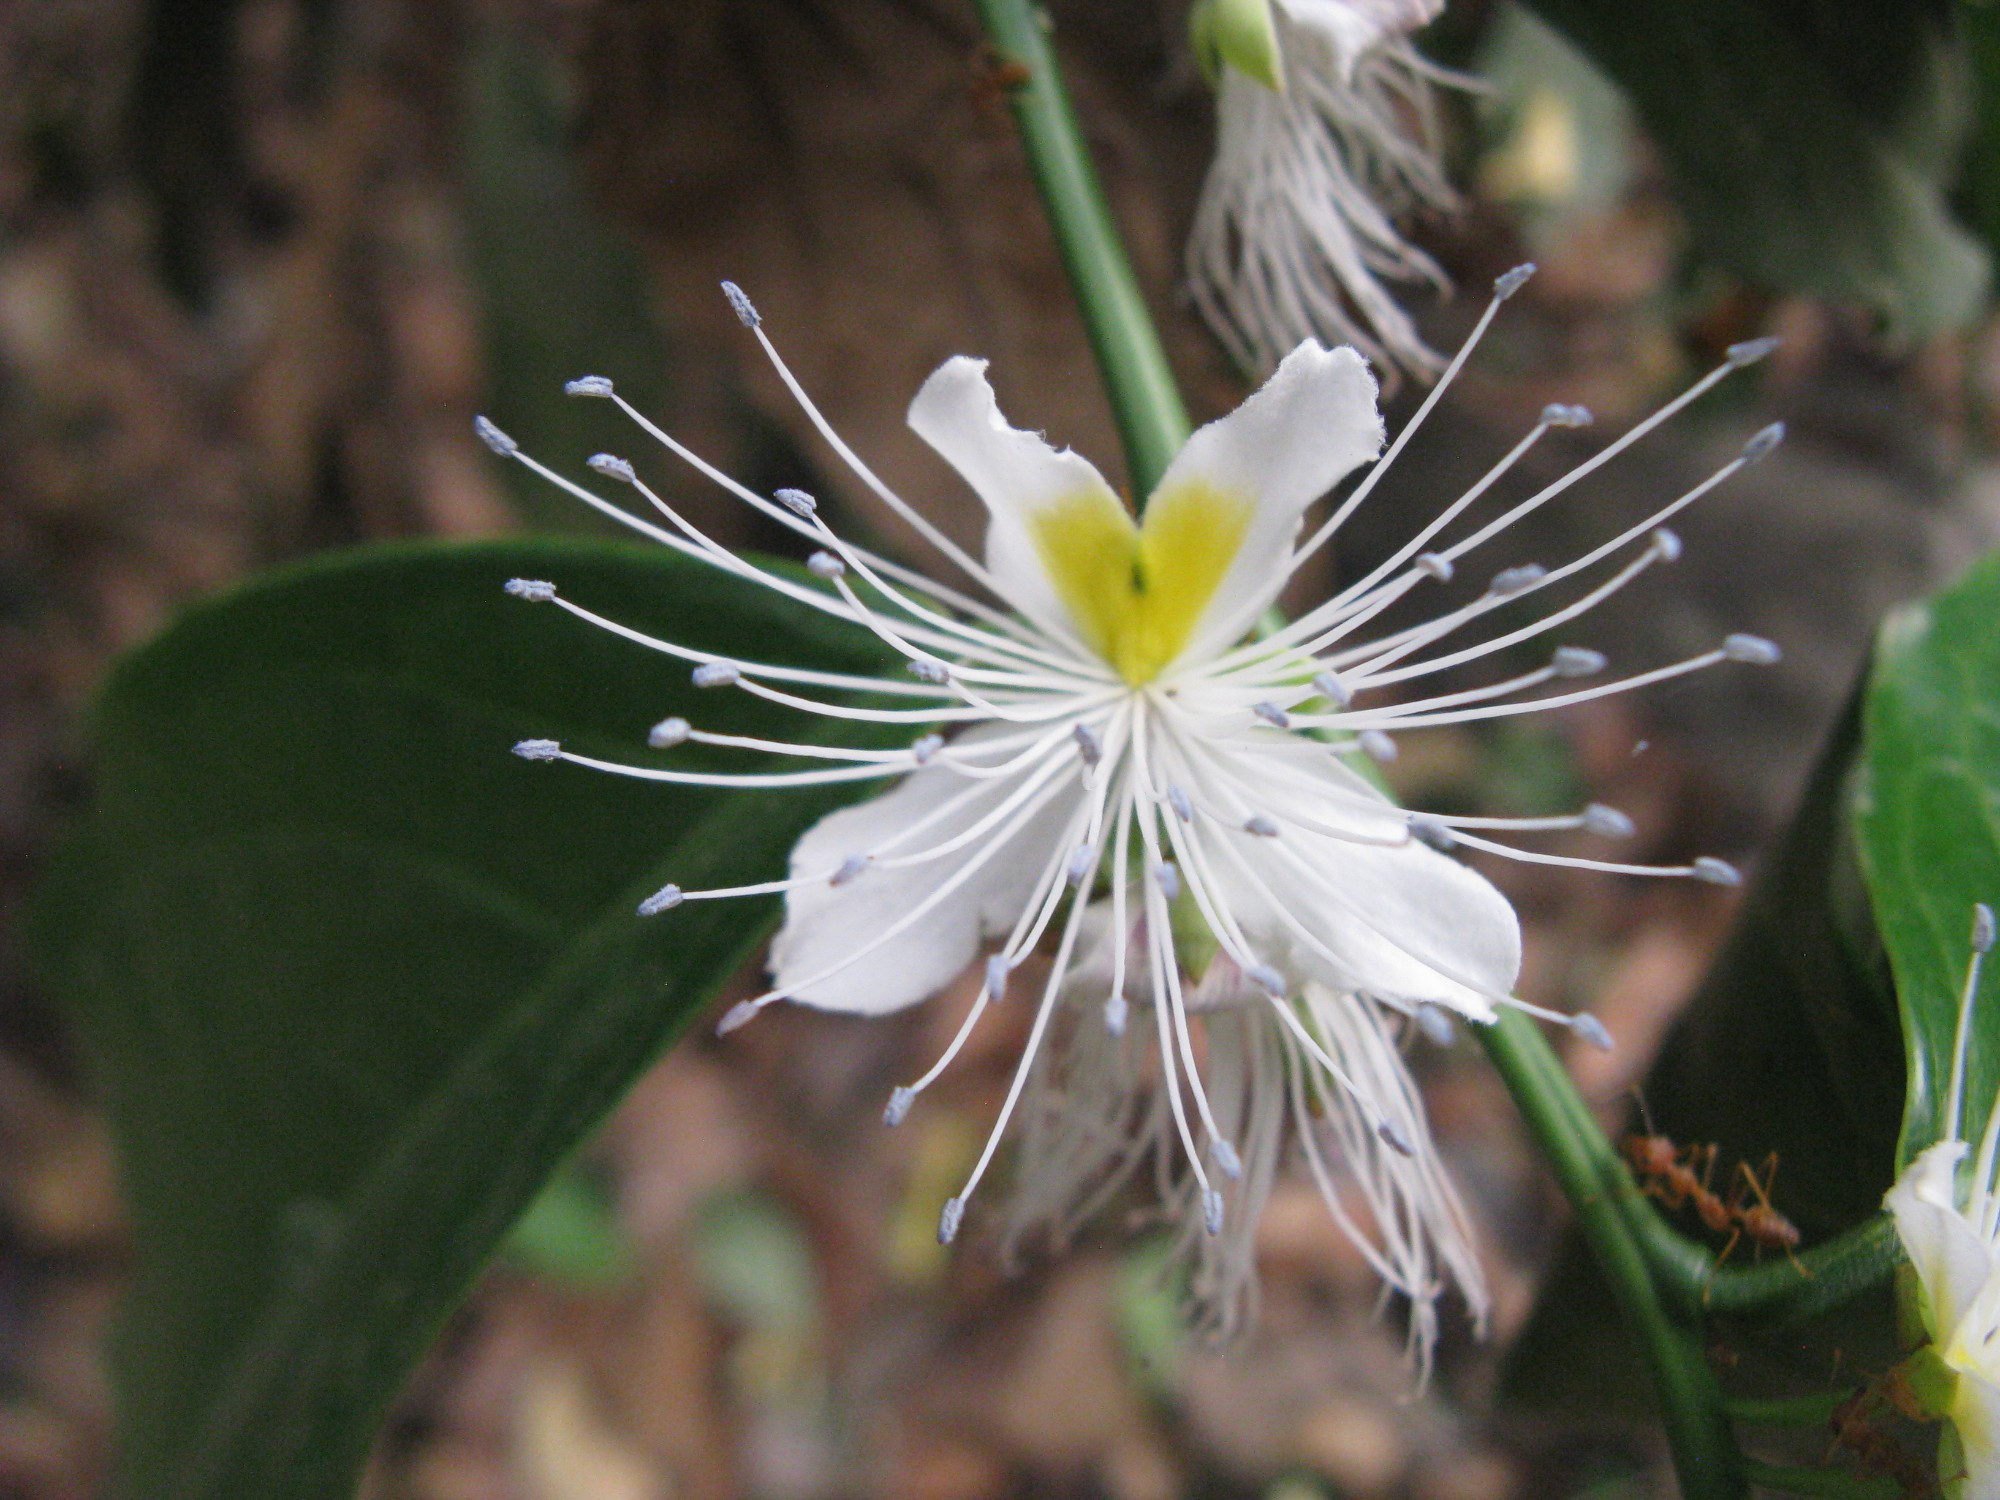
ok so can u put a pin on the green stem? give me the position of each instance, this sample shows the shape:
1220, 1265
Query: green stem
1834, 1484
1815, 1410
1595, 1182
1145, 402
1824, 1277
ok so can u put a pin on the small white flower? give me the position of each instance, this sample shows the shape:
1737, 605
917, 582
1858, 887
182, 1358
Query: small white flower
1952, 1237
1296, 230
1160, 803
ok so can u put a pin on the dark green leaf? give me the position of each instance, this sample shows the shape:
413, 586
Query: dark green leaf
1930, 830
1810, 142
354, 979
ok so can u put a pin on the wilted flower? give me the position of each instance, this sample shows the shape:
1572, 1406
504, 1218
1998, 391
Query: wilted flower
1296, 230
1952, 1237
1110, 769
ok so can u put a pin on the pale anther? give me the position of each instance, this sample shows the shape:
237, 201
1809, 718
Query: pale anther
1261, 824
1082, 860
1587, 1026
997, 969
1376, 745
1763, 442
534, 590
1578, 661
666, 898
611, 467
1267, 979
1510, 282
1394, 1138
1434, 1021
1227, 1162
1167, 875
669, 732
1116, 1010
741, 304
1606, 822
494, 438
851, 868
741, 1014
798, 502
716, 674
1716, 871
950, 1219
1751, 350
1666, 544
825, 565
1211, 1210
1753, 649
588, 385
1558, 415
1088, 745
934, 672
1512, 580
1428, 830
897, 1110
1330, 687
926, 747
539, 749
1271, 714
1982, 927
1433, 565
1178, 801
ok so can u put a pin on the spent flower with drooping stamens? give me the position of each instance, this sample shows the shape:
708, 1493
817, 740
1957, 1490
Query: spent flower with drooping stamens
1108, 768
1950, 1229
1324, 140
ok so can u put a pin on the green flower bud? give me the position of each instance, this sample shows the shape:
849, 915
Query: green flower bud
1240, 33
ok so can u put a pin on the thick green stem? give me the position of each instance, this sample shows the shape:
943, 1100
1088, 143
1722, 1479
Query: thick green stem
1833, 1484
1785, 1291
1595, 1182
1152, 421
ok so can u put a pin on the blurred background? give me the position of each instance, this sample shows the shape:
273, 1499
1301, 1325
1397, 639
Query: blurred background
260, 263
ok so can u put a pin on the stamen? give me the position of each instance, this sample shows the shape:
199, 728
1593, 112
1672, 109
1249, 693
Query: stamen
1178, 801
1168, 875
539, 749
1434, 1021
1271, 714
1088, 744
1578, 661
1376, 745
668, 733
925, 748
897, 1110
1429, 830
1081, 862
1591, 1030
1751, 350
611, 467
851, 869
1753, 649
1332, 688
949, 1220
1763, 442
666, 898
1666, 544
1715, 871
711, 674
494, 438
741, 305
1261, 824
1227, 1162
1982, 944
1267, 979
1509, 282
589, 385
798, 502
1394, 1138
1211, 1210
1607, 822
534, 590
1510, 581
1433, 565
997, 969
825, 565
934, 672
739, 1015
1117, 1010
1557, 415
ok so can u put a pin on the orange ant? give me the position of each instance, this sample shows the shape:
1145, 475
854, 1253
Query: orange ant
1676, 1175
1766, 1228
1855, 1427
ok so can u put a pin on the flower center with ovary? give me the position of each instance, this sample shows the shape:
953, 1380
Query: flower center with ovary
1136, 589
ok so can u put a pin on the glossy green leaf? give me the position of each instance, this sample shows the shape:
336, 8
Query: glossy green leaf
1930, 831
354, 979
1811, 143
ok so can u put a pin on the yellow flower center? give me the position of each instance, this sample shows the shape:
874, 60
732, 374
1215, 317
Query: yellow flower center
1136, 590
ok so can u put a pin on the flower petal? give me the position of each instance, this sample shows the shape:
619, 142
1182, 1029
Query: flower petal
1951, 1261
1975, 1416
1019, 476
1313, 423
825, 923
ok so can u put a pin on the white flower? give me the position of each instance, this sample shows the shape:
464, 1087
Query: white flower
1161, 804
1952, 1237
1296, 229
